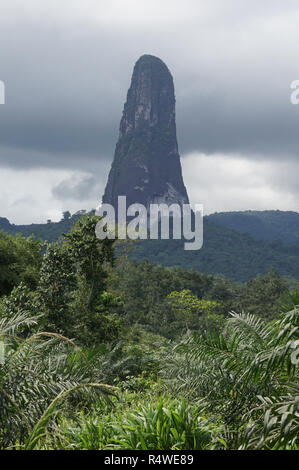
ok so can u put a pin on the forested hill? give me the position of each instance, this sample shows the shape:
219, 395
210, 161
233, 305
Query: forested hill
239, 256
262, 225
50, 231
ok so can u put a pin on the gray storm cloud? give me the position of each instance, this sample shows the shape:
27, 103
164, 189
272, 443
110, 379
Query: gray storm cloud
66, 81
67, 67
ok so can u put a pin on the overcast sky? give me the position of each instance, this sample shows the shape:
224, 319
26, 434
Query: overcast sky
67, 65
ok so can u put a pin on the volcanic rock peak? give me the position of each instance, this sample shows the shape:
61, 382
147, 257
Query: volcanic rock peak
146, 166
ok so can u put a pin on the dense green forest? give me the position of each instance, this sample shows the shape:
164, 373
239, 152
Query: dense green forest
262, 225
269, 240
102, 351
237, 256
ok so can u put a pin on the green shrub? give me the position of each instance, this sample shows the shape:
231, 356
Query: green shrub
160, 424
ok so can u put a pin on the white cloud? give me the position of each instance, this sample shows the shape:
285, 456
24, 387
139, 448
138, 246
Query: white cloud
27, 197
220, 182
223, 182
67, 64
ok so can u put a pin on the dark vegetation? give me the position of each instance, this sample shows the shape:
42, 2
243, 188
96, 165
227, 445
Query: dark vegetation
269, 240
273, 226
99, 351
237, 256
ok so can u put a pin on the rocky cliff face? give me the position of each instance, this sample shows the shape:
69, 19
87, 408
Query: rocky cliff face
146, 166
